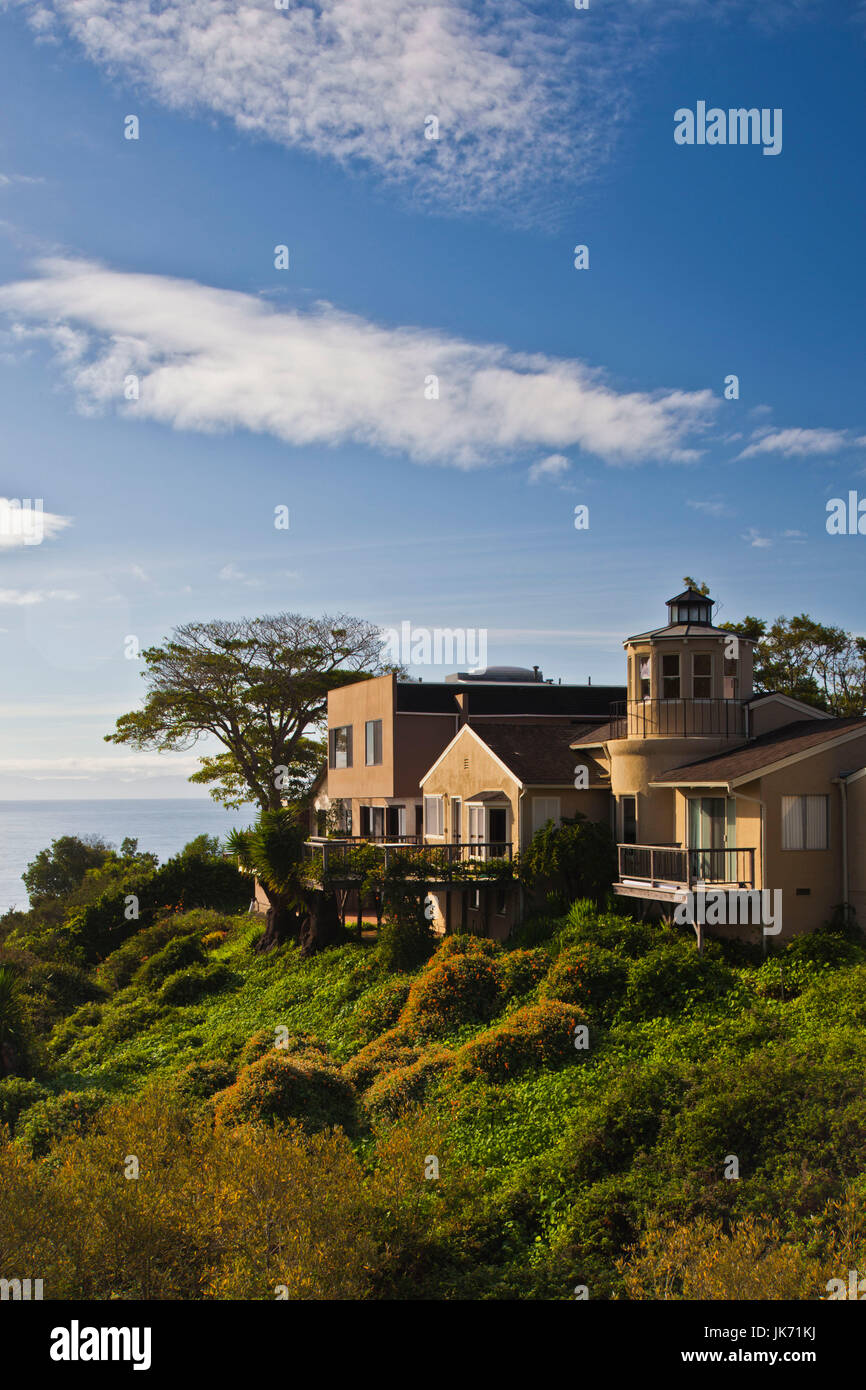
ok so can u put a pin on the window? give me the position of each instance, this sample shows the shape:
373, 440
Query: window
455, 819
372, 822
629, 820
805, 822
340, 746
434, 817
344, 816
373, 732
419, 821
702, 676
644, 673
671, 677
476, 824
501, 902
544, 808
395, 822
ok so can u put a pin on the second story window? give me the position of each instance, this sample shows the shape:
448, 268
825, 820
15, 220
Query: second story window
702, 676
373, 733
671, 677
340, 746
644, 677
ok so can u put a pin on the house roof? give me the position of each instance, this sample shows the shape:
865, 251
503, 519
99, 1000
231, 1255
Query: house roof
683, 630
750, 759
592, 738
538, 754
498, 698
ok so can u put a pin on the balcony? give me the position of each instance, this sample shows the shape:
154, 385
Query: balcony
664, 871
678, 719
344, 861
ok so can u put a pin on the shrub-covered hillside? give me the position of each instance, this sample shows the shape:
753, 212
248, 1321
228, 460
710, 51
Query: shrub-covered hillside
591, 1107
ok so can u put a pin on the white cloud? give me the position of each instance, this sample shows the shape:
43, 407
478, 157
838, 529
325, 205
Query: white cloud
519, 97
25, 598
525, 101
796, 442
131, 764
210, 359
551, 467
756, 539
23, 521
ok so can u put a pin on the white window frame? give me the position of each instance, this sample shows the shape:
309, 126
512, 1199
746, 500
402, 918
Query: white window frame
376, 726
540, 819
434, 825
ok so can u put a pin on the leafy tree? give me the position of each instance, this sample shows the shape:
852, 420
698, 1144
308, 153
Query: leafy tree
61, 868
256, 685
821, 665
273, 849
579, 853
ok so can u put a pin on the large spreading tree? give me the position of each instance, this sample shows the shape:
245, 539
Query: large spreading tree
259, 686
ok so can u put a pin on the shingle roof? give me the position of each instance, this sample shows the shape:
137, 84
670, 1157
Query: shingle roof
538, 754
763, 752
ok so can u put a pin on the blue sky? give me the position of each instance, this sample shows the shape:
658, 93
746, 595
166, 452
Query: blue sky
305, 387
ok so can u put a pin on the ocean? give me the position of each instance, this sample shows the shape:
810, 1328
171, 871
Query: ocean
163, 827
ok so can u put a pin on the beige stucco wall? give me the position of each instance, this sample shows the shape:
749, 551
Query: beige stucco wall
355, 704
764, 718
635, 763
686, 648
857, 848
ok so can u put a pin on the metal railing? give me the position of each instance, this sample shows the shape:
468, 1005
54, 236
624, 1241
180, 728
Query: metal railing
658, 865
677, 719
410, 859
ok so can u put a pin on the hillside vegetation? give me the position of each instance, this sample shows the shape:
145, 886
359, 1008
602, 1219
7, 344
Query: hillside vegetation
567, 1113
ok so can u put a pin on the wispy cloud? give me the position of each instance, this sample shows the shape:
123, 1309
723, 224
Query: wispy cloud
710, 508
755, 539
25, 598
796, 442
525, 101
22, 525
551, 467
210, 359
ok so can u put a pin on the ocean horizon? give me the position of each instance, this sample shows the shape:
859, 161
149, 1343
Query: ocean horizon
161, 825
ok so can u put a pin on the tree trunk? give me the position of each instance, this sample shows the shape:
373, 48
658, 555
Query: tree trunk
282, 923
321, 926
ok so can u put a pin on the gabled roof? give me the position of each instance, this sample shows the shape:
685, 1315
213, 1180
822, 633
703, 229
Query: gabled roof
536, 755
793, 741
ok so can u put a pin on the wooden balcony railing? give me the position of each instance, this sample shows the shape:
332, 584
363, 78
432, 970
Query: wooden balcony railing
661, 865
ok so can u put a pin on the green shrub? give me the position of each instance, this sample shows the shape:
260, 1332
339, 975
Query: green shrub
670, 979
69, 1032
396, 1091
379, 1009
65, 987
213, 939
406, 938
539, 1035
279, 1088
200, 1080
175, 955
825, 947
195, 982
296, 1044
590, 976
612, 930
383, 1054
17, 1094
520, 972
454, 990
464, 944
127, 1019
43, 1124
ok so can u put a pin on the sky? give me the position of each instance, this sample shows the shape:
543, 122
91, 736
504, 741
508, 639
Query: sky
430, 386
